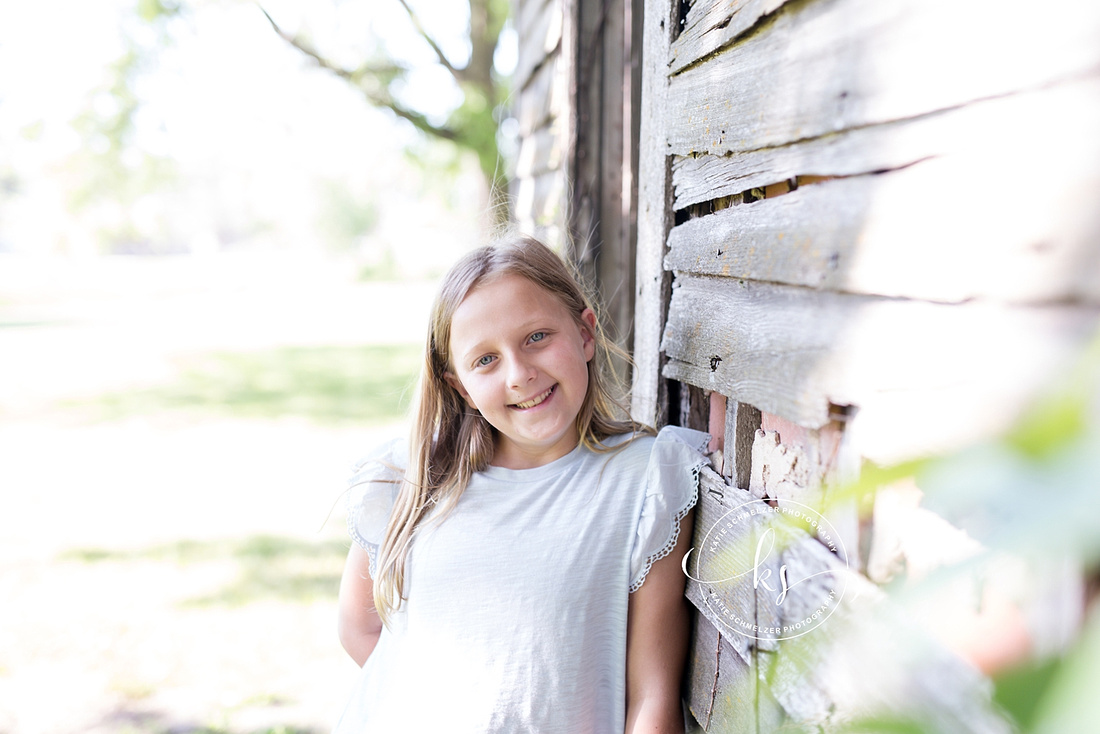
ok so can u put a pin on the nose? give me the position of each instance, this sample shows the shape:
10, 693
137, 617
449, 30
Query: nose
520, 371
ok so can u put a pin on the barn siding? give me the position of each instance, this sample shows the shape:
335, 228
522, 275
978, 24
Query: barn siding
868, 230
858, 230
577, 97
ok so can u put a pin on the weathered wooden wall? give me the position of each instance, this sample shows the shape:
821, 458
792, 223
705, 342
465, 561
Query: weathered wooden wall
577, 96
869, 230
540, 87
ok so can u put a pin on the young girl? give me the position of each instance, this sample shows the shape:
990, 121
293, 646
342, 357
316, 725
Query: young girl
496, 579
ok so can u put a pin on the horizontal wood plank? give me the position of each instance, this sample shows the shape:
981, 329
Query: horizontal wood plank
895, 233
710, 26
793, 351
820, 67
1061, 118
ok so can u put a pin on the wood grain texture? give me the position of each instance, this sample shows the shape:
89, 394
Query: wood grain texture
654, 218
820, 67
1061, 116
722, 548
793, 351
721, 685
600, 162
710, 26
742, 420
612, 213
878, 233
745, 608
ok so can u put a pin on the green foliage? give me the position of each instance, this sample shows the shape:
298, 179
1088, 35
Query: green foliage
1063, 417
345, 217
1030, 494
472, 125
328, 385
110, 174
1071, 704
383, 269
1019, 691
151, 10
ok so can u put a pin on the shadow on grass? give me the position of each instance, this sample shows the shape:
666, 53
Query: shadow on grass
145, 721
5, 324
268, 567
328, 385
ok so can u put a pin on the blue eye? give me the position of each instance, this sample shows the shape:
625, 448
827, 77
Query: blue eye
487, 359
538, 336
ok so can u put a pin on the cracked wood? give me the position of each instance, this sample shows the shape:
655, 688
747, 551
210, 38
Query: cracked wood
821, 67
792, 351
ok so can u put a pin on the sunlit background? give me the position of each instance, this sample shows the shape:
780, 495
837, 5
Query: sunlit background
216, 261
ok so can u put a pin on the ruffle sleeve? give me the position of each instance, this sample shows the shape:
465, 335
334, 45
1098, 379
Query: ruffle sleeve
672, 483
372, 490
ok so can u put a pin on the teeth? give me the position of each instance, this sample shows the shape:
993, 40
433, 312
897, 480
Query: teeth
535, 401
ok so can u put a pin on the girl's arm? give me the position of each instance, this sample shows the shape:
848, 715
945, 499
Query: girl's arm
358, 624
657, 641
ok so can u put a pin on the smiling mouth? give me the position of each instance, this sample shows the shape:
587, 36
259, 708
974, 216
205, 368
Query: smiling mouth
537, 400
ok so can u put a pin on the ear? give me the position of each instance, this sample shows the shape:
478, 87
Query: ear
454, 382
588, 333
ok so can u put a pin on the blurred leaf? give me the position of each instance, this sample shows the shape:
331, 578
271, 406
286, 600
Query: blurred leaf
1072, 703
150, 10
1010, 500
1019, 691
883, 725
1049, 426
1062, 417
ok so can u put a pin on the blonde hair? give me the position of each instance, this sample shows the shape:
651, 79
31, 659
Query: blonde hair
451, 442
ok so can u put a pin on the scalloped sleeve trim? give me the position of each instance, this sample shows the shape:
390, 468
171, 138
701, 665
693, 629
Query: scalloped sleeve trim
672, 486
372, 491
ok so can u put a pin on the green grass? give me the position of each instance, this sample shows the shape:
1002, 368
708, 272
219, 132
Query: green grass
269, 567
327, 385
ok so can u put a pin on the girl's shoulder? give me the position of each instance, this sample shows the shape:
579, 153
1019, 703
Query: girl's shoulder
372, 491
670, 442
386, 462
673, 463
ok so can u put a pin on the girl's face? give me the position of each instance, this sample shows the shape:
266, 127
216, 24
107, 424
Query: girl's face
521, 359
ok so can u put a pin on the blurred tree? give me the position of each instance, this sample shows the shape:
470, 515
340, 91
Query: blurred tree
472, 125
109, 177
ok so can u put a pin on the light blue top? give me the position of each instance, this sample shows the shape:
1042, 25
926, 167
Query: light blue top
516, 610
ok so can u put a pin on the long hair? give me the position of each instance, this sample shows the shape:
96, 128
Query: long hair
449, 441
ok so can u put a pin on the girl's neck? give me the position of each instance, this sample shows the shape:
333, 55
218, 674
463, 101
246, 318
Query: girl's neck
509, 455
